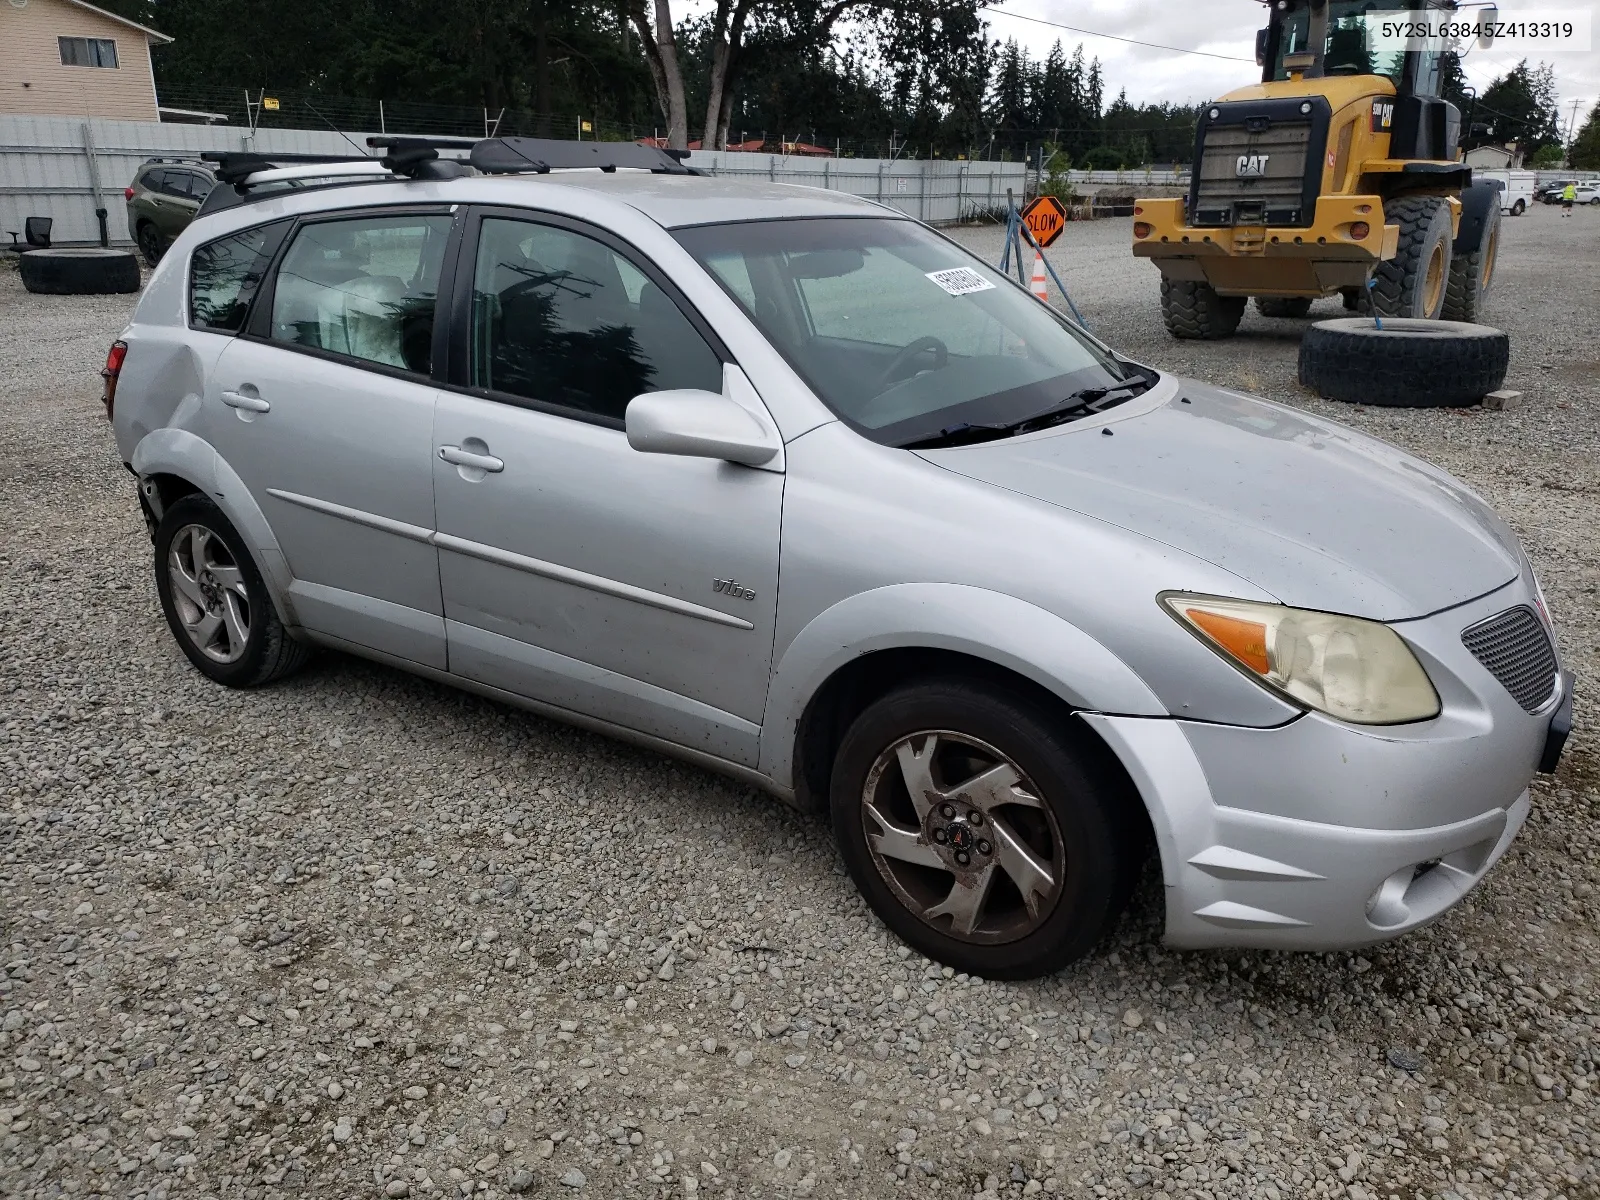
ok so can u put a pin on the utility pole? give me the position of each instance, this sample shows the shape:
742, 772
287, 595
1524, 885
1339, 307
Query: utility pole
1572, 121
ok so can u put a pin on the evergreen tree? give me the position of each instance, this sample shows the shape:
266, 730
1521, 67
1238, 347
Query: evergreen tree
1584, 154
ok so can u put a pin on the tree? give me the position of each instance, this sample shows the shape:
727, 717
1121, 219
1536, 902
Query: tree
1547, 157
1520, 106
1585, 152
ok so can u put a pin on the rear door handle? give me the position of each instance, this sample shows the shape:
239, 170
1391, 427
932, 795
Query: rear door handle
466, 458
248, 403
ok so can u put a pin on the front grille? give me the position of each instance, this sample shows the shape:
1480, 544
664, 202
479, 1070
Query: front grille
1276, 196
1515, 648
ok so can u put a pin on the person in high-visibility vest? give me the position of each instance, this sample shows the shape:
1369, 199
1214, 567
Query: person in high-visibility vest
1569, 195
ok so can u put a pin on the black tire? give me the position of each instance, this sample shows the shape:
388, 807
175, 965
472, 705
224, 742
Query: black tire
268, 652
1194, 310
151, 244
1520, 207
1085, 821
1409, 363
1292, 307
1466, 290
1412, 283
74, 271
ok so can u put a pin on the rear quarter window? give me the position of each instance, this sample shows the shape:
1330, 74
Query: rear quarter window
224, 276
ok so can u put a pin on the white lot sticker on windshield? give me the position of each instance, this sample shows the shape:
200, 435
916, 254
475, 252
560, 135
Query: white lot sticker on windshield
960, 281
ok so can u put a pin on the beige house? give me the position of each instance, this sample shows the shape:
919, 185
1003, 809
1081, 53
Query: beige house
68, 58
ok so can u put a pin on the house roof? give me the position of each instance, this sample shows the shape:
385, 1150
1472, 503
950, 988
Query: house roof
152, 34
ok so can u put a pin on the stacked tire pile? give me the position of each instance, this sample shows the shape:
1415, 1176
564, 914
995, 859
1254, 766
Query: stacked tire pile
78, 271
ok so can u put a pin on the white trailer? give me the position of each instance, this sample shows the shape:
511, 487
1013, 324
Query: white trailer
1516, 188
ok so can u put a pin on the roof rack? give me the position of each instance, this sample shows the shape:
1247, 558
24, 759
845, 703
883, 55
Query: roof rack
419, 158
508, 155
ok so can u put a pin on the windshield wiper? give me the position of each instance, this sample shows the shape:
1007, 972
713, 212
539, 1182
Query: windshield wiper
961, 434
1084, 402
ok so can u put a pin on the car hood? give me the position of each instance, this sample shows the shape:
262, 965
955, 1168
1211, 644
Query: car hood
1315, 514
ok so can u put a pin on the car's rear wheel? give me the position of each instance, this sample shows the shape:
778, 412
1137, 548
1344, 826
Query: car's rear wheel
215, 600
978, 832
150, 242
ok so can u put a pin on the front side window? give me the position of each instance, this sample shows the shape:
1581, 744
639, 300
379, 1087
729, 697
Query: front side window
901, 333
364, 287
88, 52
563, 319
224, 276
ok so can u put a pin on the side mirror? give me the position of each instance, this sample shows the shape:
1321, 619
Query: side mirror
698, 424
1261, 47
1487, 20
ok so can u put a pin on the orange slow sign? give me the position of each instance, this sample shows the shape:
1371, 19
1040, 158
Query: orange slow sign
1045, 218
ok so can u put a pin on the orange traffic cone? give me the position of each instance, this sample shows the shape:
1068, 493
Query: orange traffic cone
1037, 284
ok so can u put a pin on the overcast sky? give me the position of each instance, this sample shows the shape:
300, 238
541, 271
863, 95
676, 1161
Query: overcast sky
1227, 27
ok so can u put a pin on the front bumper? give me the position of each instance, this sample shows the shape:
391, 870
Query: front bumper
1317, 835
1266, 261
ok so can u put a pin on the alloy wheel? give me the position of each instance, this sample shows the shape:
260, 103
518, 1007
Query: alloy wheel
208, 592
963, 837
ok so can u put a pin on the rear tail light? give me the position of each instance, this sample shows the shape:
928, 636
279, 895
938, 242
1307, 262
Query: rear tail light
1359, 231
127, 193
1142, 229
113, 368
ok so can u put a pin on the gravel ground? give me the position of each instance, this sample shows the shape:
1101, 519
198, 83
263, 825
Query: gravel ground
359, 935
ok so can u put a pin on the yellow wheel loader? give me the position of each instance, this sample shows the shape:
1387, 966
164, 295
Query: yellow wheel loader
1339, 167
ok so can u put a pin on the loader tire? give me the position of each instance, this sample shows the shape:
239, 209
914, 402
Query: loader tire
78, 271
1194, 310
1471, 274
1412, 283
1293, 307
1409, 363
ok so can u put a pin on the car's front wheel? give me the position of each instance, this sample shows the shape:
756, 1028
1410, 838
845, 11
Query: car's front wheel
215, 600
978, 831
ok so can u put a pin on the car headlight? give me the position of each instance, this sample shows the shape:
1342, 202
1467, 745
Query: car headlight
1358, 671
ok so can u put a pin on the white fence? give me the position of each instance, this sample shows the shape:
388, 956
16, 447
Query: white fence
938, 191
66, 167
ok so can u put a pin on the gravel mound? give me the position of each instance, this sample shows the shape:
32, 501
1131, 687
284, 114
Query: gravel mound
358, 935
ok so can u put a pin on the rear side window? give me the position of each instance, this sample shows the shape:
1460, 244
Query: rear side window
225, 274
364, 287
196, 187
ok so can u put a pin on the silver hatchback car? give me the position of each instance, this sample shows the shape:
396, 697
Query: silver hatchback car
779, 481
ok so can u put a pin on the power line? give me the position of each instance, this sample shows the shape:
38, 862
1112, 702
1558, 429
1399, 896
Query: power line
1116, 37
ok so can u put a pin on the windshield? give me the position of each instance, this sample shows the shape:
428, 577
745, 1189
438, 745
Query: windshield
1345, 49
902, 334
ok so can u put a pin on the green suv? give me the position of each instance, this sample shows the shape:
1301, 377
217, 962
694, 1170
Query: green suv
162, 200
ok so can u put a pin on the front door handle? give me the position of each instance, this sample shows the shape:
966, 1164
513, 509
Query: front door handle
249, 403
466, 458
